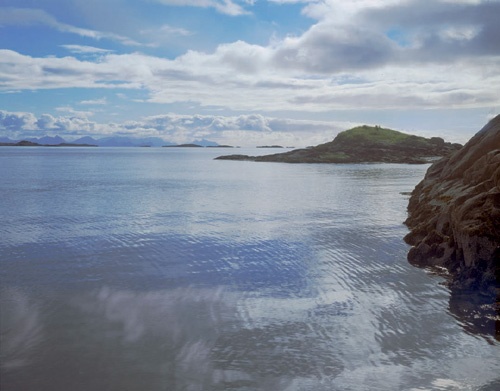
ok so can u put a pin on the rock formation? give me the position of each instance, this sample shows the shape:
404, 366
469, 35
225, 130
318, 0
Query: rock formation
363, 144
454, 214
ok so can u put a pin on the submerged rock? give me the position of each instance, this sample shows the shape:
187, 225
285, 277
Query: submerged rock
364, 144
454, 214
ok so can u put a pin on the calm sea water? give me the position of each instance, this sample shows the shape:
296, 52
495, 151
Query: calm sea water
163, 269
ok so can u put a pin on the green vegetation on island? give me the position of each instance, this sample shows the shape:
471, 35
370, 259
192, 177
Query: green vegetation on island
363, 144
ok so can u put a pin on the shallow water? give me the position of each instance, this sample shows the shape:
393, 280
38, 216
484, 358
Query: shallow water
163, 269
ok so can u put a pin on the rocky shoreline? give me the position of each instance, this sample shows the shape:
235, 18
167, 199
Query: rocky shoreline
454, 214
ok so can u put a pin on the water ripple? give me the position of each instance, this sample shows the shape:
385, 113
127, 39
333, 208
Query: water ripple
149, 269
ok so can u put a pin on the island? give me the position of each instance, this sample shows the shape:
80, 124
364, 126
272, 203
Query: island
183, 146
24, 143
364, 144
270, 146
454, 215
220, 146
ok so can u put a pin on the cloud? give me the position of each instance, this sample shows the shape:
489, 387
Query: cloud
166, 34
212, 123
63, 125
359, 54
82, 49
30, 73
10, 16
227, 7
171, 30
73, 112
241, 76
101, 101
442, 30
14, 121
166, 31
22, 124
326, 48
360, 34
253, 128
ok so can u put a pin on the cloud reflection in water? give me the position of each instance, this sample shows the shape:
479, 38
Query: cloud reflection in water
21, 330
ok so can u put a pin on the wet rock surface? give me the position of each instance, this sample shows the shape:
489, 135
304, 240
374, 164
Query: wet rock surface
454, 214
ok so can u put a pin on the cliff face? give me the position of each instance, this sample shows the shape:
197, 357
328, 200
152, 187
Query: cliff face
363, 144
454, 213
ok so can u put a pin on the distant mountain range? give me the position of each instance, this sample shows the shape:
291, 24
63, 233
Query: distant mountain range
113, 141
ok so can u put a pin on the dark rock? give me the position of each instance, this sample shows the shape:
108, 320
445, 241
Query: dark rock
70, 145
454, 214
26, 143
270, 146
364, 144
220, 146
184, 146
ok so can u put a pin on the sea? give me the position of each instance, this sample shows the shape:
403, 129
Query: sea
164, 269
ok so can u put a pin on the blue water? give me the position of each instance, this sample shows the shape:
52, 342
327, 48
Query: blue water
163, 269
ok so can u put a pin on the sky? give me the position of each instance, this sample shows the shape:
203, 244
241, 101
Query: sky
247, 72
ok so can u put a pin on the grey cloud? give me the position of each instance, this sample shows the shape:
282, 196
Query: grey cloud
61, 71
253, 122
288, 85
432, 32
288, 125
363, 100
327, 48
45, 121
424, 23
16, 121
417, 14
397, 101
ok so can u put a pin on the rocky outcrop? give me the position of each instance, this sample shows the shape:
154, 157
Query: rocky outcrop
454, 214
363, 144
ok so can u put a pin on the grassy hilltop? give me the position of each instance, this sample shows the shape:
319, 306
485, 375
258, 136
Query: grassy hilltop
364, 144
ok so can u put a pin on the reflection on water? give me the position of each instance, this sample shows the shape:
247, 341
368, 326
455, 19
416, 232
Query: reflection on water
113, 339
141, 270
477, 313
186, 338
169, 334
20, 329
199, 338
